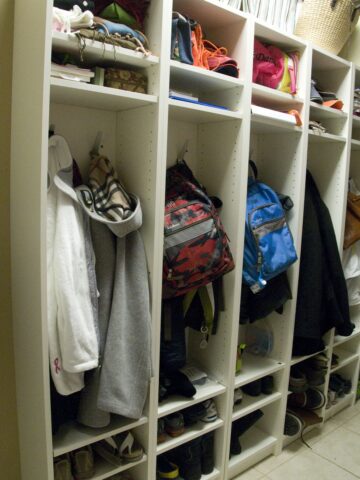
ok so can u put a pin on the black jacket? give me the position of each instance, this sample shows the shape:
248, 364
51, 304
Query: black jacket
322, 301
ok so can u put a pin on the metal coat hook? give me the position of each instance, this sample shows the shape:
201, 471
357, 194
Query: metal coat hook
184, 151
97, 144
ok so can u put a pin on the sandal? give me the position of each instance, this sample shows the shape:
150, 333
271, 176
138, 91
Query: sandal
119, 449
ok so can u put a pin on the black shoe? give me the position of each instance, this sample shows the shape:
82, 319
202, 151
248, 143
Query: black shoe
253, 389
267, 385
207, 453
244, 423
235, 447
239, 427
193, 414
188, 458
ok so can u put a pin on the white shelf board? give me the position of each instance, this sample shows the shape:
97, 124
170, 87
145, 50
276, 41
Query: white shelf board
345, 358
209, 13
320, 112
250, 404
339, 405
263, 124
193, 113
92, 96
105, 469
339, 339
356, 121
302, 358
73, 435
324, 60
325, 138
271, 98
203, 392
98, 53
253, 442
197, 430
199, 79
274, 35
254, 367
355, 145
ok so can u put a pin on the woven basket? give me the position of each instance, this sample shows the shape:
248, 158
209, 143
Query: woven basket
325, 26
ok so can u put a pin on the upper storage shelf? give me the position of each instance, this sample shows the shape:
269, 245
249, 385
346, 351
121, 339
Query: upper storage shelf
195, 113
201, 80
270, 98
80, 94
210, 13
97, 53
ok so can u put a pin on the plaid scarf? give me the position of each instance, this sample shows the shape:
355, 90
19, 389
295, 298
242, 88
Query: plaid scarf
110, 197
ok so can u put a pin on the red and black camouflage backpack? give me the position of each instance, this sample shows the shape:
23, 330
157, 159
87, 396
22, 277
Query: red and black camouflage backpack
196, 247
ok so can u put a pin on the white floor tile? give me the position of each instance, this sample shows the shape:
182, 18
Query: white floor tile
345, 415
353, 424
342, 448
251, 474
272, 462
316, 434
307, 465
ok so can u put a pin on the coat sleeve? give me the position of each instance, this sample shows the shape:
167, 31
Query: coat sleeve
75, 322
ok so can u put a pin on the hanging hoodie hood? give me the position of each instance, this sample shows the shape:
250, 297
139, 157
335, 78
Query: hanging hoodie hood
105, 199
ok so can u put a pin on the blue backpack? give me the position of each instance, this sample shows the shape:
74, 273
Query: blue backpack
269, 247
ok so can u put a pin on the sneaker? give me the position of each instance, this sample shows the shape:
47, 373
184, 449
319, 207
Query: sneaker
193, 414
293, 424
298, 382
312, 399
174, 424
82, 461
238, 396
211, 413
62, 468
207, 453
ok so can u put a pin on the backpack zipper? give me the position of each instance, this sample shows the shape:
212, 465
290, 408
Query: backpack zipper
259, 254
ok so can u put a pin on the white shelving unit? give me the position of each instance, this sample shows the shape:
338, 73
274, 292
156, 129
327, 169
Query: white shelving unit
143, 134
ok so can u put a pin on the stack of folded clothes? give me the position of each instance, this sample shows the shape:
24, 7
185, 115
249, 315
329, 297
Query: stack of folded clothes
118, 23
71, 72
356, 110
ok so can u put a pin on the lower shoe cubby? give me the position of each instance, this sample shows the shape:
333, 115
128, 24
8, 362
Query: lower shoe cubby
342, 388
190, 423
257, 394
254, 437
196, 457
344, 354
119, 456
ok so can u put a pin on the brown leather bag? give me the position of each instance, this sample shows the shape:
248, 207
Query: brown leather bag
352, 222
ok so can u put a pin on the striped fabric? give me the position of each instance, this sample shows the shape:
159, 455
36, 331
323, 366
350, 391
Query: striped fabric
110, 197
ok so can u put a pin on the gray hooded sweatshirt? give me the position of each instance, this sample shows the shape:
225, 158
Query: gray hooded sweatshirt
120, 384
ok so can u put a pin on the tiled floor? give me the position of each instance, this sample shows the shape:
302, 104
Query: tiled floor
334, 453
